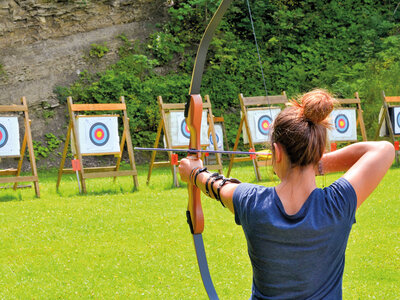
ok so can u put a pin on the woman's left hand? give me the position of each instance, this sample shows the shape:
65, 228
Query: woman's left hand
187, 165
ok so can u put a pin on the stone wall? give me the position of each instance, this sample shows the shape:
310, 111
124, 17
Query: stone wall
45, 43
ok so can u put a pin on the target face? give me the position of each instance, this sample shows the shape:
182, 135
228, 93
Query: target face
211, 139
264, 124
9, 137
99, 134
179, 132
344, 125
396, 119
341, 123
219, 137
185, 130
260, 122
3, 136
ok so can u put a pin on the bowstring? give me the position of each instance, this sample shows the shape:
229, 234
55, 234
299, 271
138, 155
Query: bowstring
260, 62
258, 52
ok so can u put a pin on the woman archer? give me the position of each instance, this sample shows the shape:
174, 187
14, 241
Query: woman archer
297, 233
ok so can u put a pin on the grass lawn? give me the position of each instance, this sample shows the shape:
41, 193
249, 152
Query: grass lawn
115, 243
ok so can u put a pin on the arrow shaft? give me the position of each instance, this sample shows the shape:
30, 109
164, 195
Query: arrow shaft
202, 151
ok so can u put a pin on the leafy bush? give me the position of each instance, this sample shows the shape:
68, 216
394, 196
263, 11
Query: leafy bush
339, 45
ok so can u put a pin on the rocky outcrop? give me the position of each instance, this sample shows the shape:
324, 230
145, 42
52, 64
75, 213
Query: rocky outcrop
45, 43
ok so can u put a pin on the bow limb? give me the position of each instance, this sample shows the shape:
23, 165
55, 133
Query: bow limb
193, 113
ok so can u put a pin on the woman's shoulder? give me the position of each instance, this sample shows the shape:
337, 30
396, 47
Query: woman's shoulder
340, 198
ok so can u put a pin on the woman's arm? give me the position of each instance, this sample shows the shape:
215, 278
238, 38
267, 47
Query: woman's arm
226, 192
365, 164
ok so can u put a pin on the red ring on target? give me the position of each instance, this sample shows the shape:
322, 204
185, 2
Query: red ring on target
3, 135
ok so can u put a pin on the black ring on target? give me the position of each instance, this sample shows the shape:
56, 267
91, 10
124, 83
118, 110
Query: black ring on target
264, 124
99, 134
211, 140
341, 123
3, 135
398, 119
185, 130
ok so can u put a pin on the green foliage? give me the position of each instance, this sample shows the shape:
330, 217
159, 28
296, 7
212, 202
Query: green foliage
164, 46
343, 46
98, 51
42, 150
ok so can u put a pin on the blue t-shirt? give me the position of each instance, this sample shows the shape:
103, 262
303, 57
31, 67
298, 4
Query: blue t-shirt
298, 256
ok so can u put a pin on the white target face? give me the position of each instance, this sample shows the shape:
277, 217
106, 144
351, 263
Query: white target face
396, 120
344, 125
219, 136
179, 132
98, 135
260, 124
9, 137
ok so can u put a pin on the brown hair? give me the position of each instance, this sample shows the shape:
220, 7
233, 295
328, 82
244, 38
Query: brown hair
301, 127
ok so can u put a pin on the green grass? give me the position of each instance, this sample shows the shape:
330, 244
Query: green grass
115, 243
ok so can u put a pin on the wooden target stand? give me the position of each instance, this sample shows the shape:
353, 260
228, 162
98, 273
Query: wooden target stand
387, 103
97, 172
254, 103
360, 125
350, 103
163, 126
221, 122
13, 175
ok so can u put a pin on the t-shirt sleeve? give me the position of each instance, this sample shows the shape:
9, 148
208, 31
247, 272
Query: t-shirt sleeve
343, 198
242, 196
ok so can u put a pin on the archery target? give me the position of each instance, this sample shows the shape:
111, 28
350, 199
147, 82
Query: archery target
260, 124
98, 135
395, 119
9, 136
344, 125
179, 131
219, 137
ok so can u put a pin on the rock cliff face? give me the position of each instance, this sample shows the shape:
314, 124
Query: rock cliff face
45, 43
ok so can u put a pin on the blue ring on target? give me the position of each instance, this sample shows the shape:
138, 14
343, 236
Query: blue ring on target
3, 135
341, 123
264, 124
185, 133
398, 119
95, 130
211, 140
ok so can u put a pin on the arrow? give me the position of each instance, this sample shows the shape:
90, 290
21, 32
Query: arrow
202, 151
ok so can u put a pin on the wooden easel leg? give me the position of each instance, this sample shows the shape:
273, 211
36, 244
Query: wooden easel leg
153, 153
120, 153
21, 159
30, 148
235, 147
64, 155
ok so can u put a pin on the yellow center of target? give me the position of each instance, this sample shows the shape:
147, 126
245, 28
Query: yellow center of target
265, 125
341, 123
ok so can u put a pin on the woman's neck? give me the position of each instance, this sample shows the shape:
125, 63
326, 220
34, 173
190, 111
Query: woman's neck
295, 188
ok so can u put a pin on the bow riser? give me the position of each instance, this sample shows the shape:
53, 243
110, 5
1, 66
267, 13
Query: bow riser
193, 122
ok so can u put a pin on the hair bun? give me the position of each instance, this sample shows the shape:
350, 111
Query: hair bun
317, 105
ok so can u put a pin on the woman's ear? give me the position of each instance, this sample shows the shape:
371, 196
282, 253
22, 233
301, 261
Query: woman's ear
278, 152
